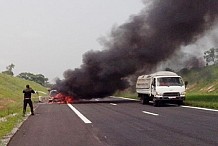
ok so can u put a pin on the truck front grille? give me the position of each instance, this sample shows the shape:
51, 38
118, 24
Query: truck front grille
170, 94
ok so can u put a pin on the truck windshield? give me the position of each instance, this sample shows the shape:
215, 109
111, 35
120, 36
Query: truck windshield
169, 81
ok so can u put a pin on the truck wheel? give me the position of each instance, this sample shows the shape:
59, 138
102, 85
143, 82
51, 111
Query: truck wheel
156, 103
180, 103
144, 99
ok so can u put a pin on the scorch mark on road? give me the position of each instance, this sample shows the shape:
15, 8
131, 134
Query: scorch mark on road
82, 117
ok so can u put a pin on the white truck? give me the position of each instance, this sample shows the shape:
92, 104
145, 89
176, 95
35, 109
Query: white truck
161, 87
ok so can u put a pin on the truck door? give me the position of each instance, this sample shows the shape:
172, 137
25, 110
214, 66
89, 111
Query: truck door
153, 87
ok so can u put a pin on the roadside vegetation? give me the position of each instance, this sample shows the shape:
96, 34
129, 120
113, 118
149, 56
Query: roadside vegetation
11, 101
202, 90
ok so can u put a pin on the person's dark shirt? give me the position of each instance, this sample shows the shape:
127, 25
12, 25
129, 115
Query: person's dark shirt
27, 93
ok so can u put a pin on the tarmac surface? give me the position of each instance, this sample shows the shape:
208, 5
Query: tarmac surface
117, 122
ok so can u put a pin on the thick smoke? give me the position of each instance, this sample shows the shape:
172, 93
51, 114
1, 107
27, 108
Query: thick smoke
145, 40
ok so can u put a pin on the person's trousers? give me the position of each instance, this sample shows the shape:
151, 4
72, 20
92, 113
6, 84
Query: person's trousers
25, 102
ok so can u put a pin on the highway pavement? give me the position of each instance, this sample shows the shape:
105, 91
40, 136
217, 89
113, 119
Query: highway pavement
117, 122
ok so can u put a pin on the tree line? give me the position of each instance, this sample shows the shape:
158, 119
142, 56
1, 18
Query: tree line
38, 78
211, 56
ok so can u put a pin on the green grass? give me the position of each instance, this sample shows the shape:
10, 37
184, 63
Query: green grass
202, 90
9, 124
207, 101
127, 94
11, 101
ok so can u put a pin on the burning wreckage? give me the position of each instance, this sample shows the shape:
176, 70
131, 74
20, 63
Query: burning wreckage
56, 97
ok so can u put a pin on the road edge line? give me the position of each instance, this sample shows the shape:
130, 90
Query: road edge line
200, 108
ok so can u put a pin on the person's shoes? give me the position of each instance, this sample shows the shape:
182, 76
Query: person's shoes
32, 114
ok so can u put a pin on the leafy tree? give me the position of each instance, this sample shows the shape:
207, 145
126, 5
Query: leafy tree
216, 56
210, 56
9, 69
26, 76
38, 78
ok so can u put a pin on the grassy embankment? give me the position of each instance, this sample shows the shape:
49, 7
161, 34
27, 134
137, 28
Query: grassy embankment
202, 89
203, 86
11, 101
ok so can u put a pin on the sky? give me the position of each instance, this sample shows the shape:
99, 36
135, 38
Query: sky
50, 36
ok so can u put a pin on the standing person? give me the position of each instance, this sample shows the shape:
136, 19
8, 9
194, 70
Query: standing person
27, 99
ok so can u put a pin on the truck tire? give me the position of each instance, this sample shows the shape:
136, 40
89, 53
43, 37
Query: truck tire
144, 99
180, 103
156, 103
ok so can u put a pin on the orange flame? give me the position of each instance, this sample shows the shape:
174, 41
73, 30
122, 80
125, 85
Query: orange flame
61, 98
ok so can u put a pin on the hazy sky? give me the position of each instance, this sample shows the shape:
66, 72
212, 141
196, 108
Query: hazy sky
50, 36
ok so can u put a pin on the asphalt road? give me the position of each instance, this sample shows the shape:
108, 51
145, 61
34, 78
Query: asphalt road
117, 122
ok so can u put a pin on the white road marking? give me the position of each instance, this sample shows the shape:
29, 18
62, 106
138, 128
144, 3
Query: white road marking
82, 117
200, 108
113, 104
124, 98
154, 114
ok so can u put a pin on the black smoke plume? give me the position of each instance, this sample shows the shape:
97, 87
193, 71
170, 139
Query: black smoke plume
146, 39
